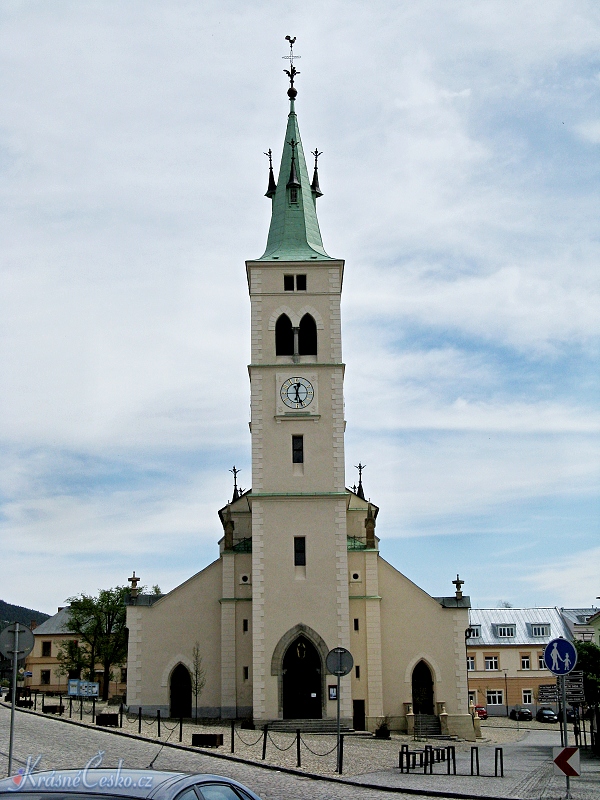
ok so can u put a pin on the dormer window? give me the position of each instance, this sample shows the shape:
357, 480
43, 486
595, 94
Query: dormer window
540, 630
506, 631
474, 631
293, 195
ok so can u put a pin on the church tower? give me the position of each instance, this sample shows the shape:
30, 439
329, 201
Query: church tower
299, 531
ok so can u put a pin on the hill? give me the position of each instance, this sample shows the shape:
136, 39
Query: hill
20, 614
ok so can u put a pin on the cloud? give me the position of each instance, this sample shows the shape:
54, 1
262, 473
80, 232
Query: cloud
572, 580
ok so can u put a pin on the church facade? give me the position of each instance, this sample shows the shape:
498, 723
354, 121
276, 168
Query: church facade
299, 571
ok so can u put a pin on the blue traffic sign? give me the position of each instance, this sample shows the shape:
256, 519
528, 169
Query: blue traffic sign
560, 656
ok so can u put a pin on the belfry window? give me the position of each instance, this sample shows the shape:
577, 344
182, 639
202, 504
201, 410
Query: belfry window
284, 336
297, 449
301, 283
307, 339
299, 551
288, 283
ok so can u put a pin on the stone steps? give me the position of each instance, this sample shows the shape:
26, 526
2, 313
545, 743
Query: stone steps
307, 725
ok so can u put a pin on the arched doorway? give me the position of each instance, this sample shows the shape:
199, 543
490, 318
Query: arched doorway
302, 683
422, 689
181, 692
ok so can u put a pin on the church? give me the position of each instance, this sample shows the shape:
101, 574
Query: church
299, 570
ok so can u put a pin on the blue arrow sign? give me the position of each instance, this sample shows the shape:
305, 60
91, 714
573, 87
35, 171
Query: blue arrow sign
560, 656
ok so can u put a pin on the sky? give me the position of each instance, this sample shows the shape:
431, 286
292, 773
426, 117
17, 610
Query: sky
460, 172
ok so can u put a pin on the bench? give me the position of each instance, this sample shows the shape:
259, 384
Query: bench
207, 739
108, 720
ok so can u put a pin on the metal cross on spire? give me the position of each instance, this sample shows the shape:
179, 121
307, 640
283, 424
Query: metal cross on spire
360, 491
292, 71
459, 584
236, 492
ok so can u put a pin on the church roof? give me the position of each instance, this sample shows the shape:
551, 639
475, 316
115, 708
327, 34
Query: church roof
294, 233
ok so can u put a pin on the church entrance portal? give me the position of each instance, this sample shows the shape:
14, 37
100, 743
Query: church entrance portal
302, 692
422, 689
181, 692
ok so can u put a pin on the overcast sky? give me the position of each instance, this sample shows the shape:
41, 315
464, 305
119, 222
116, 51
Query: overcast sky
460, 174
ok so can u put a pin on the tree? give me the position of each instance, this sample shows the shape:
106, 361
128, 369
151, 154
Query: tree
588, 660
99, 624
71, 659
198, 675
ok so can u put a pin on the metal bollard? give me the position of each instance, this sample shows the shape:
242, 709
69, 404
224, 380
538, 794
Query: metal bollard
264, 750
475, 758
233, 736
181, 732
451, 751
341, 765
93, 710
428, 759
139, 720
298, 759
158, 720
70, 707
80, 707
120, 715
499, 758
60, 705
35, 700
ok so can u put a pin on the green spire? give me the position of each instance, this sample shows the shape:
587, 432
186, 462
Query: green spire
294, 233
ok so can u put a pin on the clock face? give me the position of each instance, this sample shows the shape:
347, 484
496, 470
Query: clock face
297, 392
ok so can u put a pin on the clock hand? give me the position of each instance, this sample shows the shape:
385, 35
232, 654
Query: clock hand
297, 388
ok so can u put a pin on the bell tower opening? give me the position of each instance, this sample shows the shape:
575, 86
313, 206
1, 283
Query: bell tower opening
284, 336
302, 684
308, 336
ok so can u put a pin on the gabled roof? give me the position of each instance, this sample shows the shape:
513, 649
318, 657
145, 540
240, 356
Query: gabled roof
294, 233
578, 616
56, 624
523, 620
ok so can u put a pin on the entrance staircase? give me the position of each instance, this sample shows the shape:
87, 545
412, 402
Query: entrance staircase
427, 726
307, 726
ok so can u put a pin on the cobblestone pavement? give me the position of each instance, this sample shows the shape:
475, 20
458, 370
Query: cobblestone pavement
528, 768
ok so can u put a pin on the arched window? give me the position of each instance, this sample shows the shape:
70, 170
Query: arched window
307, 345
284, 336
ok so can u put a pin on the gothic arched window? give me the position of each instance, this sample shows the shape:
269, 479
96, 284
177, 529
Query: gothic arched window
284, 336
307, 344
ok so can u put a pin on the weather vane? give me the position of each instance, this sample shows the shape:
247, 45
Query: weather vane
360, 468
292, 71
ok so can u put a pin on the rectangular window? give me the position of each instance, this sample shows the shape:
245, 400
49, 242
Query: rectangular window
301, 283
46, 649
527, 697
245, 625
298, 449
246, 673
293, 195
491, 662
470, 663
475, 631
45, 677
288, 283
525, 662
495, 697
355, 624
506, 630
299, 551
357, 672
472, 698
540, 630
541, 662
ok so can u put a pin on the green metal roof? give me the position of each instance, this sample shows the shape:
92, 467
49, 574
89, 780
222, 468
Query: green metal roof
294, 233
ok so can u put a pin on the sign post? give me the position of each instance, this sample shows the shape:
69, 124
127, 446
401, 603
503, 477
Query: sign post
560, 656
339, 662
17, 641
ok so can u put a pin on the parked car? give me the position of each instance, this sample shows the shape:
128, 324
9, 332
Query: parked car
481, 712
523, 714
546, 715
117, 784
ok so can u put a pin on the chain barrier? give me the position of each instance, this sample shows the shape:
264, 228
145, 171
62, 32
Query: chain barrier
310, 750
248, 744
281, 749
163, 724
152, 721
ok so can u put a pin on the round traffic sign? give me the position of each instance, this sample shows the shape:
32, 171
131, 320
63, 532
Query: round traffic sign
339, 661
24, 643
560, 656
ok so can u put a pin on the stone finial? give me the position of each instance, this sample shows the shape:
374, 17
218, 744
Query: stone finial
134, 580
228, 526
458, 583
370, 528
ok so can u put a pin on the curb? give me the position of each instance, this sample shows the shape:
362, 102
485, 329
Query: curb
288, 770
